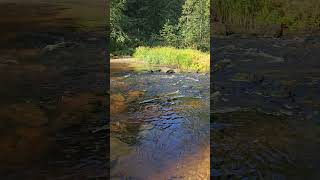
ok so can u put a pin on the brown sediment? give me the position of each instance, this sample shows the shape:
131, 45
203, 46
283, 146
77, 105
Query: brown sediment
194, 103
74, 109
191, 167
134, 95
121, 65
117, 104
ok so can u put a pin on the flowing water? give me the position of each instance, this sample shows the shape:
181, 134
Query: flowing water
159, 123
265, 108
52, 76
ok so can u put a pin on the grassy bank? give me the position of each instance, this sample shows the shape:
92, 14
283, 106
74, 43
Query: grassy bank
183, 59
297, 15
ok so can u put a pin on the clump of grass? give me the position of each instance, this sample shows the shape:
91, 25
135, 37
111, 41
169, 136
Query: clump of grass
251, 14
183, 59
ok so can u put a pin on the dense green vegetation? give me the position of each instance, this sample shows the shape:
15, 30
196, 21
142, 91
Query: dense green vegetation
296, 15
183, 59
178, 23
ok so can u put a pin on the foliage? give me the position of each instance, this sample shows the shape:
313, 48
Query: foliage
117, 20
146, 18
168, 35
184, 59
295, 14
178, 23
194, 24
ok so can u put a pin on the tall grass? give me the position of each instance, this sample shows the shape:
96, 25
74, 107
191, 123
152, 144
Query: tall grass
183, 59
295, 14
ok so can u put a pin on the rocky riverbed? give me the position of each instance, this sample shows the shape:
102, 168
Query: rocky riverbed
159, 123
265, 108
53, 92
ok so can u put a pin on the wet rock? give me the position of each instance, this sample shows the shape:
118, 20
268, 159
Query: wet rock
7, 61
215, 96
52, 47
170, 71
286, 112
150, 100
117, 126
126, 76
290, 106
227, 110
262, 55
105, 127
193, 79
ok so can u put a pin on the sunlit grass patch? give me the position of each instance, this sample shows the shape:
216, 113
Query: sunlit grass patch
183, 59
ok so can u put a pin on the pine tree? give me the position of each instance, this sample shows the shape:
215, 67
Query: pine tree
194, 24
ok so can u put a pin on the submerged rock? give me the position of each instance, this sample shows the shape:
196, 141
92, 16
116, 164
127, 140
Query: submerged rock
52, 47
134, 95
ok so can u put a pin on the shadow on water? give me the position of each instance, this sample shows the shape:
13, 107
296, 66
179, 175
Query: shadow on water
158, 126
52, 75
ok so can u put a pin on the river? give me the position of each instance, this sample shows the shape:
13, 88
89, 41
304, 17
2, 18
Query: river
265, 108
159, 123
53, 89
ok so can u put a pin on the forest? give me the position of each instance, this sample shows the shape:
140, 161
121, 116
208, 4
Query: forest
178, 24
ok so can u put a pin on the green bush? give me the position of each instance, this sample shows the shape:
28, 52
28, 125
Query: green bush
183, 59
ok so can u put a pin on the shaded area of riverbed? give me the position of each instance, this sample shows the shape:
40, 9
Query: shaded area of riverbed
159, 123
265, 108
53, 89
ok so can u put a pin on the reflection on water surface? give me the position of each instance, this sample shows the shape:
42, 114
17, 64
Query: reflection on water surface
159, 127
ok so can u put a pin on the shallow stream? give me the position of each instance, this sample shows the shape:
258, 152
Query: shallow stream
159, 124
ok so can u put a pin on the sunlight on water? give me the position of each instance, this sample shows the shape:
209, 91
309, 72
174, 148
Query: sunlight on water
162, 132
